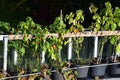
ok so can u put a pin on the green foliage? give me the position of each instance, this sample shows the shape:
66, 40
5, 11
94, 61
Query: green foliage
4, 27
118, 48
58, 26
75, 21
113, 40
26, 28
53, 45
28, 50
77, 46
108, 19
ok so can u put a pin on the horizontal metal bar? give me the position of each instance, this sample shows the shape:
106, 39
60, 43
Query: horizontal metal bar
64, 69
2, 36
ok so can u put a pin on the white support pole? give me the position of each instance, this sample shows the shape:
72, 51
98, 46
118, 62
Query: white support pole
15, 56
70, 49
1, 37
43, 55
5, 53
95, 46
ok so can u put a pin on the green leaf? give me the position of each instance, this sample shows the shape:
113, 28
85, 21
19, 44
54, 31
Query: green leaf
80, 40
118, 48
22, 50
113, 26
79, 14
93, 9
112, 40
71, 20
36, 47
97, 26
119, 23
53, 56
29, 19
108, 5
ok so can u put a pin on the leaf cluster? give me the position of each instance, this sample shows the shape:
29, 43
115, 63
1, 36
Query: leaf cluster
108, 19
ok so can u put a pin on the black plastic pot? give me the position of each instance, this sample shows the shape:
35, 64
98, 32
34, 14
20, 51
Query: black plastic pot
82, 71
57, 76
114, 70
98, 70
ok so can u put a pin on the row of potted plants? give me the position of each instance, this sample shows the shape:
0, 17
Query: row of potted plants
29, 51
107, 19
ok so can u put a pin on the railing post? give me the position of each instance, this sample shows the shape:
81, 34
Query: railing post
5, 53
70, 49
43, 57
95, 46
43, 54
15, 56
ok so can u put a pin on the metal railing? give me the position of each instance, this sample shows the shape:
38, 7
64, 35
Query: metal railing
5, 38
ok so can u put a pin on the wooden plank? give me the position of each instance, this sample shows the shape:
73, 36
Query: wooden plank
92, 34
79, 34
16, 37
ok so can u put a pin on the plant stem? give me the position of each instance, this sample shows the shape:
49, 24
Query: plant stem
77, 52
59, 52
100, 53
103, 41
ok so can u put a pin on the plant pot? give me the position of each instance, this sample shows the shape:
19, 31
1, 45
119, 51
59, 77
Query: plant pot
98, 70
82, 72
57, 76
114, 70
